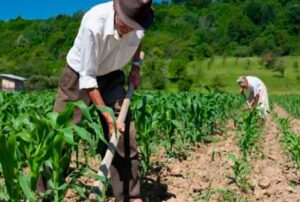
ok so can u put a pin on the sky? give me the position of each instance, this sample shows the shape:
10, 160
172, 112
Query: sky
43, 9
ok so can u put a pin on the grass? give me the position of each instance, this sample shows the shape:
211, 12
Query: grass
228, 70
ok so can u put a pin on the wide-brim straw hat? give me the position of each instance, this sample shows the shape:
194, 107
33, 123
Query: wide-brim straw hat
137, 14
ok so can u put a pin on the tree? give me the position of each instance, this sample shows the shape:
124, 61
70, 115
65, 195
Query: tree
22, 41
184, 84
217, 83
198, 3
293, 16
284, 2
259, 12
241, 29
280, 67
176, 69
269, 60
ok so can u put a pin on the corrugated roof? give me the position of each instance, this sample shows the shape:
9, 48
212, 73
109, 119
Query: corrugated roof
11, 76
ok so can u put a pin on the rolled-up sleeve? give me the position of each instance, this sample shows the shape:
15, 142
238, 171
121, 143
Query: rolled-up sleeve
89, 56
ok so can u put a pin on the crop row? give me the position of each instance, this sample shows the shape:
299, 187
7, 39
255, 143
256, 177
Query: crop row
34, 140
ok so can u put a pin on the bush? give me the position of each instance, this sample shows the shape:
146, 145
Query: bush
296, 66
242, 51
280, 67
184, 84
40, 82
217, 83
258, 46
158, 80
176, 68
269, 60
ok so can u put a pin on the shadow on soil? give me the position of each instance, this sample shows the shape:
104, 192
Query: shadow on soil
154, 191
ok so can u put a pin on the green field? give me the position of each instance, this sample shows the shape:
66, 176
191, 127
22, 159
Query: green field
228, 70
170, 127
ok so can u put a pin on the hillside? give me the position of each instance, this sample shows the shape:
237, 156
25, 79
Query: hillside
185, 33
221, 73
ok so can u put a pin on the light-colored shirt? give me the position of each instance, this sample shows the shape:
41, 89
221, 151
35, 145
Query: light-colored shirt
257, 87
98, 49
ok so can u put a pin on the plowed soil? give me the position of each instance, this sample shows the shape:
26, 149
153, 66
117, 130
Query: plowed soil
206, 174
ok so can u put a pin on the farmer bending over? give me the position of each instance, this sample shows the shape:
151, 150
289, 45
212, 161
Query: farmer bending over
109, 36
258, 94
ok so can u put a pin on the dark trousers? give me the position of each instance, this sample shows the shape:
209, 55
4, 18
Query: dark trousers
125, 166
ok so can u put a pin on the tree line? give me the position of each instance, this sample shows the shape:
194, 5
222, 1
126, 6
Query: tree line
183, 31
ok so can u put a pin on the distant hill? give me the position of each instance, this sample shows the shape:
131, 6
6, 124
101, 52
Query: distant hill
185, 32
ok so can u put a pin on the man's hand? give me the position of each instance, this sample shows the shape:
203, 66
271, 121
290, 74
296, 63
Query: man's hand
96, 98
256, 99
110, 123
249, 104
135, 77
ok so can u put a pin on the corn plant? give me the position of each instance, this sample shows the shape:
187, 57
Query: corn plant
290, 140
250, 131
181, 119
39, 138
32, 138
240, 169
147, 121
291, 103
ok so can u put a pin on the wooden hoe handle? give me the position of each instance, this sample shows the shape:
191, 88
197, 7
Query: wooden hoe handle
106, 161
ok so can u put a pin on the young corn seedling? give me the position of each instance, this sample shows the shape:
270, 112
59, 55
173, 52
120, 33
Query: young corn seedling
250, 130
290, 140
146, 124
240, 169
290, 103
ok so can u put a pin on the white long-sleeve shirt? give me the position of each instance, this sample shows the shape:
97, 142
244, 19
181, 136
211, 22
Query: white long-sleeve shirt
257, 87
98, 49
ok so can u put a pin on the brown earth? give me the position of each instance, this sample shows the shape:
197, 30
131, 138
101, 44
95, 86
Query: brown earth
274, 176
206, 169
206, 174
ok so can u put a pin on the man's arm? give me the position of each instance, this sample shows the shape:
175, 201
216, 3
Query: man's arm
242, 92
96, 98
134, 76
251, 103
256, 98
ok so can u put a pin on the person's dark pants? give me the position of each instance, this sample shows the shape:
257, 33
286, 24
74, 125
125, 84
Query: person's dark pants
125, 166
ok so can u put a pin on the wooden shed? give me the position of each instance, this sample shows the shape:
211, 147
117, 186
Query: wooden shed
10, 82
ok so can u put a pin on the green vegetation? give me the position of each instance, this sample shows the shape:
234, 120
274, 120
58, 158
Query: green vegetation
187, 119
32, 136
291, 103
290, 140
194, 45
241, 169
223, 195
191, 44
223, 74
250, 132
